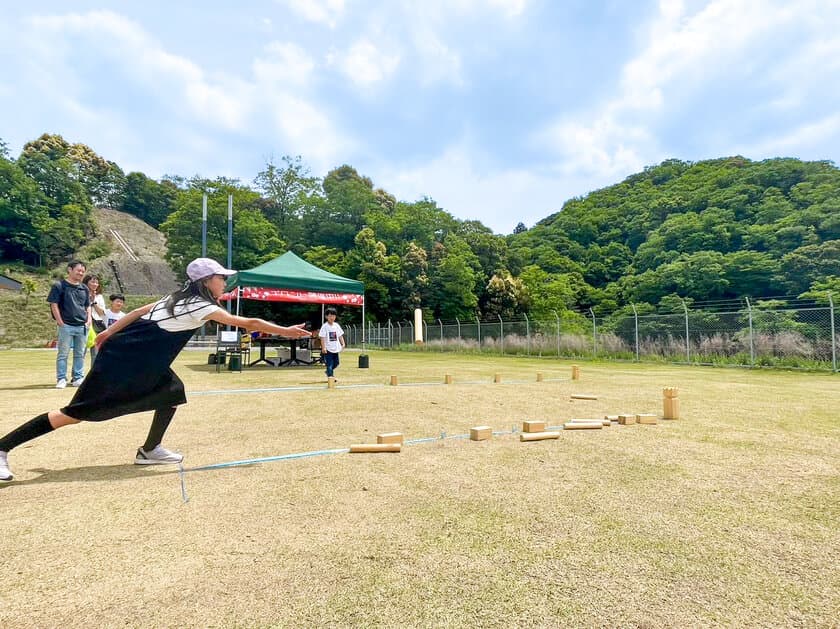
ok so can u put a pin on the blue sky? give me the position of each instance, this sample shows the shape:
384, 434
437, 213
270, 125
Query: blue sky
499, 110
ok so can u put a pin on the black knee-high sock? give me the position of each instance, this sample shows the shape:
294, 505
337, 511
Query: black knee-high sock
35, 427
160, 423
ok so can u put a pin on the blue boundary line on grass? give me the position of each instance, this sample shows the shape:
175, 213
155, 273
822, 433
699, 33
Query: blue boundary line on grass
361, 386
301, 455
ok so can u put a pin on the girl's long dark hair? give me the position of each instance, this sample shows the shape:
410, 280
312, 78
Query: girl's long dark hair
193, 290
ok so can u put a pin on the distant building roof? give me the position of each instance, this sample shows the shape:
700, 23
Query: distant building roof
9, 284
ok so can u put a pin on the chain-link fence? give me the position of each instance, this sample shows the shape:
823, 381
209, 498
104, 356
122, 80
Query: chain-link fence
798, 336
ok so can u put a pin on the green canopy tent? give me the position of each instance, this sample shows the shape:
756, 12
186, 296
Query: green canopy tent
289, 278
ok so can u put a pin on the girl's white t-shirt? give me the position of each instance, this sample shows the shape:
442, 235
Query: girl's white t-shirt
190, 314
99, 300
330, 335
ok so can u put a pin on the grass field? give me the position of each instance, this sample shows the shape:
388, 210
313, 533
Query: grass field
725, 517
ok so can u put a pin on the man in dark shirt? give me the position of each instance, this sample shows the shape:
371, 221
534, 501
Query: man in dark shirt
69, 301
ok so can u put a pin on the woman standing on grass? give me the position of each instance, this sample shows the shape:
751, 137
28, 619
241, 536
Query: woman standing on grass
132, 371
97, 309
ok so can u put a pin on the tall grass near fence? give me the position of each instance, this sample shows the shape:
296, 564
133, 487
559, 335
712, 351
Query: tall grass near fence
806, 337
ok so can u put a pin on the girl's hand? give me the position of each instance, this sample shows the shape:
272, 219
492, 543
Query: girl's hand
101, 338
297, 331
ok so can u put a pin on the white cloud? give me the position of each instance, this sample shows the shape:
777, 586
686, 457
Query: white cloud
439, 62
366, 64
445, 9
809, 137
179, 81
270, 106
325, 12
681, 51
309, 131
500, 199
510, 8
283, 63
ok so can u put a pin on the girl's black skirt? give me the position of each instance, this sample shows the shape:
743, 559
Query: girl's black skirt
131, 374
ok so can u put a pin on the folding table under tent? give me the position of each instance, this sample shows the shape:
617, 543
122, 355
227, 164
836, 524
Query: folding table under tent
289, 278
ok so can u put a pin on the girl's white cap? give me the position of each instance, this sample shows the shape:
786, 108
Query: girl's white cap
205, 267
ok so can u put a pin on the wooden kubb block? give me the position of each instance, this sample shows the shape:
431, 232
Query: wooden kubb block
497, 378
626, 420
646, 419
584, 425
575, 372
394, 381
539, 376
539, 436
389, 437
331, 383
533, 426
604, 422
481, 433
447, 379
670, 403
375, 447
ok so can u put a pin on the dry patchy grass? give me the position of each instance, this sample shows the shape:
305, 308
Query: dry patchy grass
726, 517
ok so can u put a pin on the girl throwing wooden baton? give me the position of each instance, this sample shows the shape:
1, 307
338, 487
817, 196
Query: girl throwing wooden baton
132, 370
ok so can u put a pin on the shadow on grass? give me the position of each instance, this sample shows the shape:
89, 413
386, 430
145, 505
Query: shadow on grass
30, 387
92, 474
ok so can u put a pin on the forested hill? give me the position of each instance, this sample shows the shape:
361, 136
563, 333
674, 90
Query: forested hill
710, 230
699, 232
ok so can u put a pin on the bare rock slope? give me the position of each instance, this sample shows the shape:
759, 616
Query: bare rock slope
136, 255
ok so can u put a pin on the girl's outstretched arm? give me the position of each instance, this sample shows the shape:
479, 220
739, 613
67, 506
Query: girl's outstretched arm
260, 325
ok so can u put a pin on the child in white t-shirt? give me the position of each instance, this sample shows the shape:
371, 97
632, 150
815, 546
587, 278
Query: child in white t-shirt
332, 341
114, 312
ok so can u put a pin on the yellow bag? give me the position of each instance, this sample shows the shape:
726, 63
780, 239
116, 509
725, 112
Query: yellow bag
91, 337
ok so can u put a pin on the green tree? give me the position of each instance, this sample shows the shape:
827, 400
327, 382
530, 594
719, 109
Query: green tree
547, 293
370, 263
453, 279
255, 240
22, 207
28, 287
805, 265
413, 290
147, 199
288, 189
505, 296
332, 260
335, 220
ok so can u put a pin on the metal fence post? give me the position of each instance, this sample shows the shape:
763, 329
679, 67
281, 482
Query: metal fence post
687, 342
833, 339
390, 334
459, 328
440, 323
636, 319
527, 335
399, 332
478, 328
425, 332
752, 342
501, 333
594, 335
557, 322
411, 332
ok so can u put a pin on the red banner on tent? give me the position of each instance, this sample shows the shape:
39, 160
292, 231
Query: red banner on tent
296, 296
